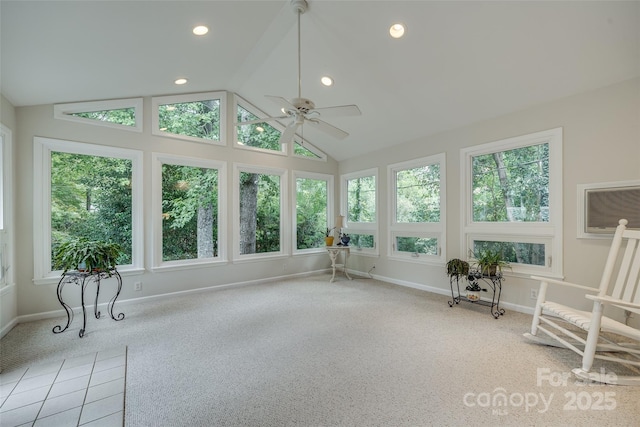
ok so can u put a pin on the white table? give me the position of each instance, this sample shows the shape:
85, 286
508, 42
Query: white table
334, 251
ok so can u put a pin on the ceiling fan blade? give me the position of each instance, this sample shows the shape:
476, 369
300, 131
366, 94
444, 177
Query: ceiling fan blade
327, 128
338, 111
263, 120
282, 102
290, 131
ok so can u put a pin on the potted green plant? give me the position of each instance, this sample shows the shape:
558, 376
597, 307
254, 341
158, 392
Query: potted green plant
457, 267
490, 262
86, 255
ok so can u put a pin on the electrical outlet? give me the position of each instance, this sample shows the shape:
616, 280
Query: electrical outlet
137, 286
534, 294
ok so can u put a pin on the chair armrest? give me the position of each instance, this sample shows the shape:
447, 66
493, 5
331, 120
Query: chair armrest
612, 301
563, 283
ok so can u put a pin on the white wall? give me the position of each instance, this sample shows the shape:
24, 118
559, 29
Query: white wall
8, 293
39, 121
601, 144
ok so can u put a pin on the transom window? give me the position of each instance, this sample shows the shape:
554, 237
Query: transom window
125, 114
195, 117
513, 200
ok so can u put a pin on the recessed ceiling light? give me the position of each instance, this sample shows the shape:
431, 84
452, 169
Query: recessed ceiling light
200, 30
396, 31
180, 81
326, 80
259, 128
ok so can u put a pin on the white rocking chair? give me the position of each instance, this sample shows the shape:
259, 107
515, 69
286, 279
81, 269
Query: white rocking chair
618, 289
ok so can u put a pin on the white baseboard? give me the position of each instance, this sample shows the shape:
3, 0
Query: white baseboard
440, 291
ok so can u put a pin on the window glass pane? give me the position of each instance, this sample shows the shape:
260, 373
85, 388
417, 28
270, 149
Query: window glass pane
91, 198
361, 240
311, 212
189, 212
512, 186
122, 116
420, 245
304, 152
259, 213
198, 119
259, 135
418, 194
514, 252
361, 193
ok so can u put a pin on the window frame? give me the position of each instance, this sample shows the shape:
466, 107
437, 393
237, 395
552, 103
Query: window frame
285, 232
156, 101
370, 228
42, 148
160, 159
7, 248
419, 229
239, 101
64, 111
294, 211
550, 233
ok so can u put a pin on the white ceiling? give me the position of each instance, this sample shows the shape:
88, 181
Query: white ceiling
459, 62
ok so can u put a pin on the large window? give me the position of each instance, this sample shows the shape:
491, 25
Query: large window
189, 210
360, 204
313, 208
512, 199
89, 191
259, 212
417, 209
6, 207
197, 117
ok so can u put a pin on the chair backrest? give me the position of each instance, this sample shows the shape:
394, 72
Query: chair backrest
623, 270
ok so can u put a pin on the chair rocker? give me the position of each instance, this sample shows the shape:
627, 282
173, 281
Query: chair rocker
619, 292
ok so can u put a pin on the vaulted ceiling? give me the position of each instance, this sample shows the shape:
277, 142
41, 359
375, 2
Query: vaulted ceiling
458, 63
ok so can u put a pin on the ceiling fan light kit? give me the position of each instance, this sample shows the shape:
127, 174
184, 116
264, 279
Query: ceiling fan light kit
302, 110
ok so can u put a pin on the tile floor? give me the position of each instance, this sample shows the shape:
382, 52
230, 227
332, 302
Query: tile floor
84, 391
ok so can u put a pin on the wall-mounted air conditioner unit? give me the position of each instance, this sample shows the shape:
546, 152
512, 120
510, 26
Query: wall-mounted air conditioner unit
601, 205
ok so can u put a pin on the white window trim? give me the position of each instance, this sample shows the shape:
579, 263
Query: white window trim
362, 227
423, 229
294, 213
551, 232
309, 146
239, 101
156, 101
64, 111
6, 210
42, 148
158, 160
285, 233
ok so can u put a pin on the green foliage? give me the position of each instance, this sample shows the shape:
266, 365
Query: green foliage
199, 119
457, 267
91, 199
512, 185
311, 213
490, 262
124, 116
259, 135
361, 197
74, 253
418, 194
420, 245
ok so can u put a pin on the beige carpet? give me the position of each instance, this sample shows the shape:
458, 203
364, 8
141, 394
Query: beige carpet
309, 353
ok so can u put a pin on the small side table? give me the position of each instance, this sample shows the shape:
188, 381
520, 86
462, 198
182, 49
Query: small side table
82, 279
334, 251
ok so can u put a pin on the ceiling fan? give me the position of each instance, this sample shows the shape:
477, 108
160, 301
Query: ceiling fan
302, 110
